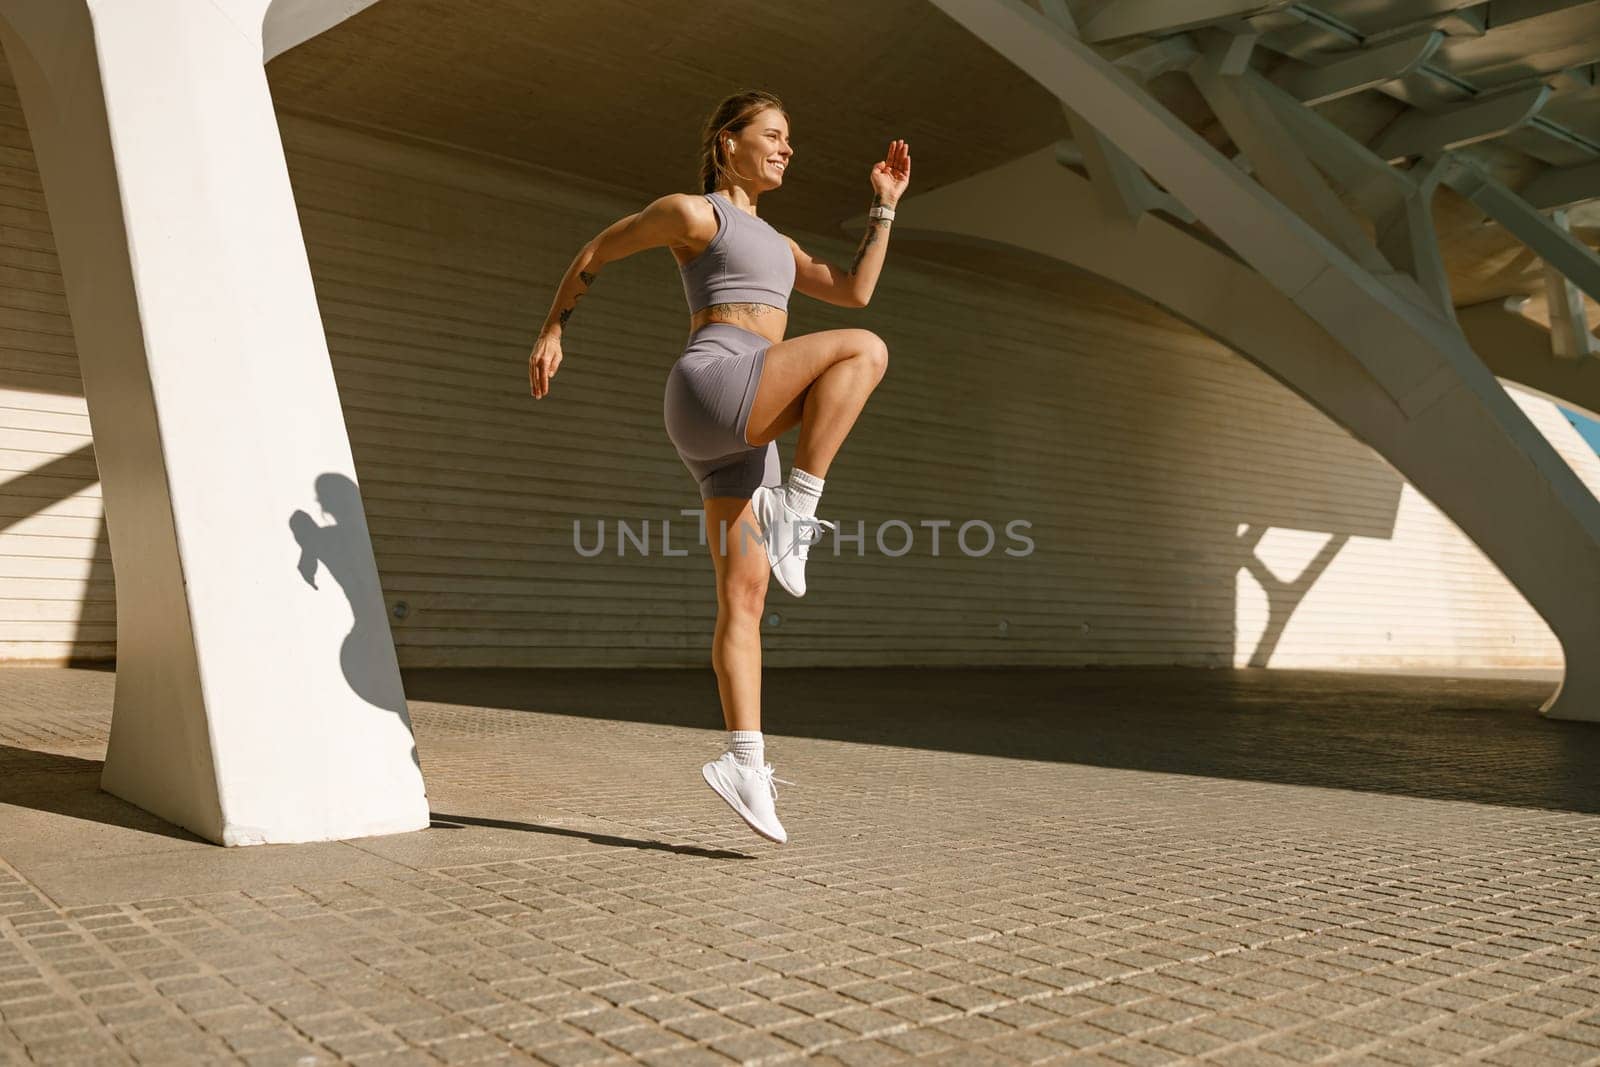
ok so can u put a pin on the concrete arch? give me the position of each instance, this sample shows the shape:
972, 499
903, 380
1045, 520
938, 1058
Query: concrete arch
1402, 377
286, 23
1469, 450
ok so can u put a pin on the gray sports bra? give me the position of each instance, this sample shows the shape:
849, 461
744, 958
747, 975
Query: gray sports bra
746, 262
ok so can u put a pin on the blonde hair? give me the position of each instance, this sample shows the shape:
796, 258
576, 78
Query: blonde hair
732, 115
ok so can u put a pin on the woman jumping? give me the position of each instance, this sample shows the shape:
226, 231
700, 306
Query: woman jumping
738, 386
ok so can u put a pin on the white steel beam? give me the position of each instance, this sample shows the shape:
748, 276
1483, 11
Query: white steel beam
1120, 184
1277, 162
1420, 133
1240, 211
1471, 22
1563, 187
1563, 252
1408, 234
1170, 53
1407, 237
291, 22
1365, 70
1375, 185
1527, 37
1399, 206
1122, 187
1405, 376
1154, 18
1569, 323
1375, 24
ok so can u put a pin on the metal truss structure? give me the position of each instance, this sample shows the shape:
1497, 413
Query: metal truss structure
1311, 248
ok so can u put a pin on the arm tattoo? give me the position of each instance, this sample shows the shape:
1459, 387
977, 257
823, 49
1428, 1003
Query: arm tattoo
868, 239
566, 313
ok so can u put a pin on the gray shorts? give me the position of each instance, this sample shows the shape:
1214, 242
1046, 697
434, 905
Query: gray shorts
706, 409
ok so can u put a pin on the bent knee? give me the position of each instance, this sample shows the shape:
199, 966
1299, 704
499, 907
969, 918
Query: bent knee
874, 350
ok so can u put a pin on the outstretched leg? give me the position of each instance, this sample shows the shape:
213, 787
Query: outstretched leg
742, 574
741, 775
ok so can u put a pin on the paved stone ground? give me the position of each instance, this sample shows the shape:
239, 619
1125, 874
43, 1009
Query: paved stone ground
985, 866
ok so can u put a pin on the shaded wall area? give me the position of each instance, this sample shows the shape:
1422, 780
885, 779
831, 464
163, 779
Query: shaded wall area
1174, 504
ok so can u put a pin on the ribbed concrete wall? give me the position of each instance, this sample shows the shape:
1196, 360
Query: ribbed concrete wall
57, 602
1176, 496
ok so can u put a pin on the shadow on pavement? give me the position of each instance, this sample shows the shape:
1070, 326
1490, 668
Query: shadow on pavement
1476, 739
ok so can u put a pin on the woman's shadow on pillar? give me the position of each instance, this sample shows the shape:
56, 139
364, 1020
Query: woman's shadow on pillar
344, 547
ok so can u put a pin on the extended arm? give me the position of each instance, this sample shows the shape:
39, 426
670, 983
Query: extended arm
889, 180
662, 222
868, 264
580, 275
852, 288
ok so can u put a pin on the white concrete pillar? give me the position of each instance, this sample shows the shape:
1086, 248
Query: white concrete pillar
258, 698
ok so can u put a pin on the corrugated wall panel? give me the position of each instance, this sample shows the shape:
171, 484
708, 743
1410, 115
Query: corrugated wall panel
1183, 506
1161, 474
57, 603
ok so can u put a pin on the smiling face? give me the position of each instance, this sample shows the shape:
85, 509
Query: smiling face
761, 151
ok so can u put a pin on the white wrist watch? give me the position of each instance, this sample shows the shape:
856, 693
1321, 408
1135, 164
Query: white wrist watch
880, 211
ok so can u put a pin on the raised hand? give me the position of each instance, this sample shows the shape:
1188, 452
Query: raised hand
893, 174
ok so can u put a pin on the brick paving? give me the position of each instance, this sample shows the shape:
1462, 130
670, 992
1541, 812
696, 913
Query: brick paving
1133, 867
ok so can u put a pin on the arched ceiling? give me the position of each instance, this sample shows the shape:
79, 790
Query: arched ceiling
615, 92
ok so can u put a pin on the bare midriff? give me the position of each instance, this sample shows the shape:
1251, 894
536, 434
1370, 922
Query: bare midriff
764, 319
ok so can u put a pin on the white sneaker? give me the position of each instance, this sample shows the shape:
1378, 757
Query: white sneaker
749, 791
787, 535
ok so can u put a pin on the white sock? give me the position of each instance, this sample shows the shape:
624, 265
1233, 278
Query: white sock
746, 746
803, 492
